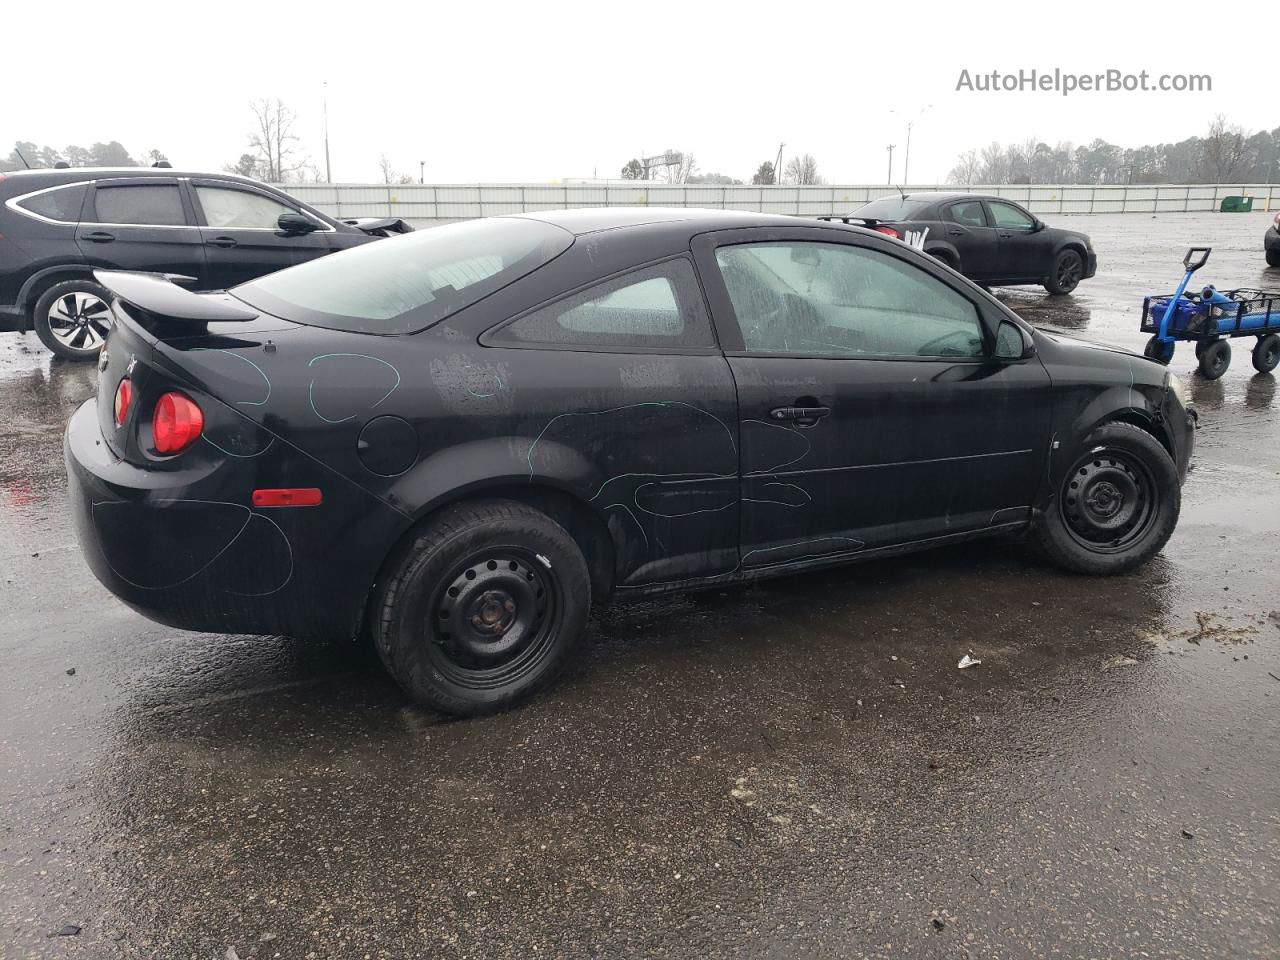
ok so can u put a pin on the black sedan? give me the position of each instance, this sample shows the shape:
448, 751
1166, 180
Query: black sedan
460, 438
989, 239
215, 229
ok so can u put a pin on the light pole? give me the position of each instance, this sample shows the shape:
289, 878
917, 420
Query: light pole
906, 159
422, 171
328, 174
889, 179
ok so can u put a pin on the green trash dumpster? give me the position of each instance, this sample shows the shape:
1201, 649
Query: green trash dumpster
1236, 204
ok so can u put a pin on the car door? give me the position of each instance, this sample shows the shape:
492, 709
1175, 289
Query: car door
241, 235
1021, 254
873, 411
142, 223
968, 230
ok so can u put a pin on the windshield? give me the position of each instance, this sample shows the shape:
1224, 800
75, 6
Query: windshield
406, 283
891, 208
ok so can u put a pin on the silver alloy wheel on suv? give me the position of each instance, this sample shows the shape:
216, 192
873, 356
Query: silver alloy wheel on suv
72, 319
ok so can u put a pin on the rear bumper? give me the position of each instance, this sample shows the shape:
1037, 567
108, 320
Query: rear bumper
186, 549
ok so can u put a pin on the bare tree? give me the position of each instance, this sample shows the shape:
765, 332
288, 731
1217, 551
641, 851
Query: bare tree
1222, 151
384, 166
678, 166
273, 141
803, 170
967, 168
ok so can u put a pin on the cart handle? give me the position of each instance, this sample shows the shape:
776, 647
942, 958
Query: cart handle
1190, 261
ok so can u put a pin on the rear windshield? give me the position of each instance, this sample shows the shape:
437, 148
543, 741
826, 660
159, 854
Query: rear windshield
406, 283
891, 208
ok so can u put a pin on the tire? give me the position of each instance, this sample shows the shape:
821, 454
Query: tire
1067, 272
1116, 507
1266, 353
945, 259
1156, 349
1201, 346
483, 609
1214, 359
72, 318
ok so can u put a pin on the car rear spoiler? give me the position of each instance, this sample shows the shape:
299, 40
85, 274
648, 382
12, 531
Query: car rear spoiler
852, 220
380, 226
159, 294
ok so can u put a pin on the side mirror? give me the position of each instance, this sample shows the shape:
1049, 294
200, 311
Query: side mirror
1013, 343
1039, 225
295, 224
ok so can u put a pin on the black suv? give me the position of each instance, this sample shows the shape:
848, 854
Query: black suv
990, 240
220, 230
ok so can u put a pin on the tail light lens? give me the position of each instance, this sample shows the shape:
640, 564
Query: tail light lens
124, 397
889, 232
176, 424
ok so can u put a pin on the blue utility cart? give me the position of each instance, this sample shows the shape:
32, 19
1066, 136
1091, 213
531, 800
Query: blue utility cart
1210, 317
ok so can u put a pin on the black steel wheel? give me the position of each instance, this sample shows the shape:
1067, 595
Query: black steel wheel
482, 608
1068, 271
1266, 353
1116, 506
1214, 359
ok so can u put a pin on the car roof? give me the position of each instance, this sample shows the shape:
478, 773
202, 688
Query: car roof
690, 219
22, 180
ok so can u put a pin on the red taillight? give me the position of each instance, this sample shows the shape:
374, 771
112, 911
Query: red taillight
124, 397
288, 497
889, 232
176, 423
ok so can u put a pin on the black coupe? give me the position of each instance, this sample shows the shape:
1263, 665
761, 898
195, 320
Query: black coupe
990, 240
458, 439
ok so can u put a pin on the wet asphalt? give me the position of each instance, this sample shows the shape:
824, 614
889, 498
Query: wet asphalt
793, 769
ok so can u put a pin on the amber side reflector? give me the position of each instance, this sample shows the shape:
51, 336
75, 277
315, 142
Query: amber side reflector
288, 497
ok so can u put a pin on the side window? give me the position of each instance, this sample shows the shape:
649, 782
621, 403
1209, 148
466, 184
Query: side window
657, 306
1010, 217
61, 204
825, 299
967, 212
155, 204
225, 207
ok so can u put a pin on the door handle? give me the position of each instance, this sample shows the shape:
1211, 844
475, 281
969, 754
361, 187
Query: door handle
802, 416
1005, 236
221, 241
99, 236
955, 233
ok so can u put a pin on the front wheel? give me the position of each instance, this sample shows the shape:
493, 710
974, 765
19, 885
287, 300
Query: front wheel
485, 607
1116, 507
72, 319
1158, 350
1266, 353
1067, 272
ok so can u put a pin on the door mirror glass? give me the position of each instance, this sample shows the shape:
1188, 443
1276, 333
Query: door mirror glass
294, 224
1012, 342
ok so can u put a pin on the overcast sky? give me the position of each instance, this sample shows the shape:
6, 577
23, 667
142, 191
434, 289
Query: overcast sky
536, 92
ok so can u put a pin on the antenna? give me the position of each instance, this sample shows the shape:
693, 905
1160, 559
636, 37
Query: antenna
21, 157
324, 100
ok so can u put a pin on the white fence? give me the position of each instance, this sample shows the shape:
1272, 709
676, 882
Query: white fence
423, 203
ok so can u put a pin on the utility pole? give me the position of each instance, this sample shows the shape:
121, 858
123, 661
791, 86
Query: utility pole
777, 165
889, 181
324, 99
422, 171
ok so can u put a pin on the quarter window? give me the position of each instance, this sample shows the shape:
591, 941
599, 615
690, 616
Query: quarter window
224, 207
154, 204
968, 212
61, 204
658, 306
1011, 217
823, 299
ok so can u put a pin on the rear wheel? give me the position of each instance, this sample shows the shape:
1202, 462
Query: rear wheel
1116, 507
1067, 272
72, 319
1266, 353
1214, 359
484, 609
